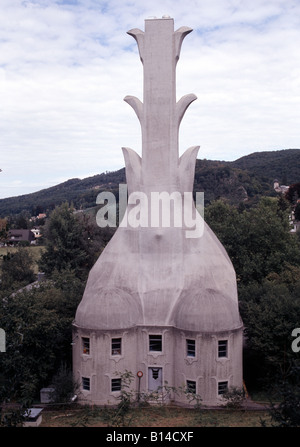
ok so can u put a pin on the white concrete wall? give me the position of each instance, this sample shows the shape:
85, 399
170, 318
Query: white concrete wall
206, 369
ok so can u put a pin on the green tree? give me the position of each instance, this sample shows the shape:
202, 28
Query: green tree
287, 412
64, 245
38, 326
257, 240
17, 269
270, 312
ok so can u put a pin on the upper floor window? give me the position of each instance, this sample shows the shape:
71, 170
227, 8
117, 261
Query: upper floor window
116, 346
155, 343
190, 348
85, 345
223, 348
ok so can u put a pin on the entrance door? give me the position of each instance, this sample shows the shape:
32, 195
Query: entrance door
154, 378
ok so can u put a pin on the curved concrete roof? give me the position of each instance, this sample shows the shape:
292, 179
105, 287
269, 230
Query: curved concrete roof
186, 283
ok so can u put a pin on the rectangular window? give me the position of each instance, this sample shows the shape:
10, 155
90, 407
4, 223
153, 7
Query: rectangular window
191, 348
222, 387
222, 348
85, 345
116, 346
116, 384
86, 383
155, 343
191, 386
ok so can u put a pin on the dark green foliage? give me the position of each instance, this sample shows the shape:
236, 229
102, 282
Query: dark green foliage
287, 412
73, 242
38, 326
270, 311
257, 240
17, 269
63, 384
266, 257
63, 247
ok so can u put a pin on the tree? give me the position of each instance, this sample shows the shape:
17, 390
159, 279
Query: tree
257, 240
287, 412
64, 245
38, 327
17, 269
3, 230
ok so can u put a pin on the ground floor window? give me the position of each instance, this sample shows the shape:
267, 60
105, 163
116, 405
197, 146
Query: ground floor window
86, 383
115, 384
191, 386
222, 387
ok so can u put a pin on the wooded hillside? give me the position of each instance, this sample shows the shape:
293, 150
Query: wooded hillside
243, 180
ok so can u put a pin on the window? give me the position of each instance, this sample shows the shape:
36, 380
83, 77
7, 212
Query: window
116, 344
191, 348
222, 348
191, 386
222, 387
86, 383
116, 384
86, 345
155, 343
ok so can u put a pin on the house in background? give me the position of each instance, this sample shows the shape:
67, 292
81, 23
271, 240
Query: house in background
16, 236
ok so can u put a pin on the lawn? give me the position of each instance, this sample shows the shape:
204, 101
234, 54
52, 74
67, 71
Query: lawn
161, 416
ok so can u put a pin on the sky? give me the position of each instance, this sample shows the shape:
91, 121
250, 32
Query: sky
66, 66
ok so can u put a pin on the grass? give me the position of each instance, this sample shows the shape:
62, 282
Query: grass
163, 416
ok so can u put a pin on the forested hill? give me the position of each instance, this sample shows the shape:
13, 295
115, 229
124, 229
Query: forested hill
243, 180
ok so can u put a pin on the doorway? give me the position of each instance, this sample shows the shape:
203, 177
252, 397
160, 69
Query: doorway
154, 379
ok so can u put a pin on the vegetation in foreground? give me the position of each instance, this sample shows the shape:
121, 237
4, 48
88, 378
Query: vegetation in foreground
162, 416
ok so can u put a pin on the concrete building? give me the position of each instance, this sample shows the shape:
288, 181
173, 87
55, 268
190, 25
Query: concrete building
161, 301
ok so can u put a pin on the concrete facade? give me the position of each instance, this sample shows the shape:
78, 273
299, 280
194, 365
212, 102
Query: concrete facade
160, 299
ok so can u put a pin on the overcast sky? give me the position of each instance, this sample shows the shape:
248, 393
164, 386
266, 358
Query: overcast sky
66, 66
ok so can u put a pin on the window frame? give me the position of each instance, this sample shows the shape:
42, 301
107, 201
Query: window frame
116, 382
84, 341
86, 383
115, 350
222, 353
159, 342
222, 387
188, 349
191, 386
